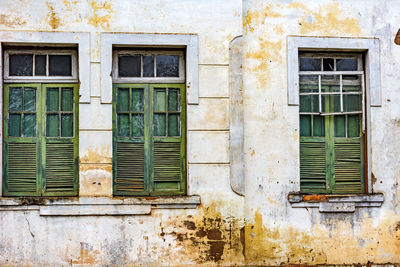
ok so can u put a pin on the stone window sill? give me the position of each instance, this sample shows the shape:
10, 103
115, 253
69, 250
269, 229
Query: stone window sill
97, 206
335, 203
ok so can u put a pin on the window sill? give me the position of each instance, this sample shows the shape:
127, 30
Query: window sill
97, 206
335, 203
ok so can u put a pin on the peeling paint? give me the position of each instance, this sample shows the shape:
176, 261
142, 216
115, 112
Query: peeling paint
52, 18
100, 14
11, 20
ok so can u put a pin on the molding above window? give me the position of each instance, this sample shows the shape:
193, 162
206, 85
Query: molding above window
48, 39
369, 46
188, 41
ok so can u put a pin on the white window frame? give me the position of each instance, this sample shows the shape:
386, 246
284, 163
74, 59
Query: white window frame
115, 70
368, 46
140, 40
36, 38
36, 78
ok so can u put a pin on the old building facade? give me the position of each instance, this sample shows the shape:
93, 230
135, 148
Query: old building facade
154, 133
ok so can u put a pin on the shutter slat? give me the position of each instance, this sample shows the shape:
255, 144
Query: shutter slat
312, 165
348, 168
130, 167
59, 167
167, 162
21, 167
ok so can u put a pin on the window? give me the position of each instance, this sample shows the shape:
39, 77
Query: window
148, 123
40, 145
332, 123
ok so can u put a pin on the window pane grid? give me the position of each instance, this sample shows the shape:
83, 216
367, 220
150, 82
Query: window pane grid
167, 123
22, 112
59, 122
345, 93
130, 120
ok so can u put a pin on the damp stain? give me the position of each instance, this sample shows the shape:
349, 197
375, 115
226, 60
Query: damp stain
100, 14
52, 18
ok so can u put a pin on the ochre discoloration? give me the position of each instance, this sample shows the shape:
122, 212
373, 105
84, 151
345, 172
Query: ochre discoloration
208, 237
100, 155
52, 18
258, 16
101, 14
87, 255
286, 244
326, 20
11, 21
95, 180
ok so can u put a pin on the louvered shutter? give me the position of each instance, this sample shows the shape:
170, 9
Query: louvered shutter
348, 164
168, 144
129, 146
20, 157
60, 150
313, 166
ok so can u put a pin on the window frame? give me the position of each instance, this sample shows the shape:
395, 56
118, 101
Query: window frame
370, 47
39, 78
131, 52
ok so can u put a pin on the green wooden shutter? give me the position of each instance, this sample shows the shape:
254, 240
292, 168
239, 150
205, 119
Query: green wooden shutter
168, 142
349, 171
129, 146
20, 150
60, 140
313, 166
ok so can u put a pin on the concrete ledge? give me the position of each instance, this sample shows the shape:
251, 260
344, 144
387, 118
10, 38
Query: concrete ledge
78, 206
335, 203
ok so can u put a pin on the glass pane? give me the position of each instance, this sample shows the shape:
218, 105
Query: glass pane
60, 65
137, 125
137, 100
330, 83
29, 99
351, 83
123, 124
159, 100
173, 125
318, 125
173, 99
167, 66
310, 64
308, 83
328, 64
129, 66
40, 65
305, 125
67, 99
148, 66
52, 99
346, 64
352, 102
21, 65
67, 125
339, 124
305, 103
330, 103
14, 126
353, 125
15, 99
159, 124
29, 125
52, 125
123, 100
315, 103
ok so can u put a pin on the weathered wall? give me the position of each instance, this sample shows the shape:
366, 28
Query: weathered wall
210, 233
275, 232
225, 228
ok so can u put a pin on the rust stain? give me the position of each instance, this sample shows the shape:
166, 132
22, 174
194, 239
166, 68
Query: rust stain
95, 167
101, 14
11, 21
328, 20
208, 237
52, 19
273, 202
315, 198
252, 153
